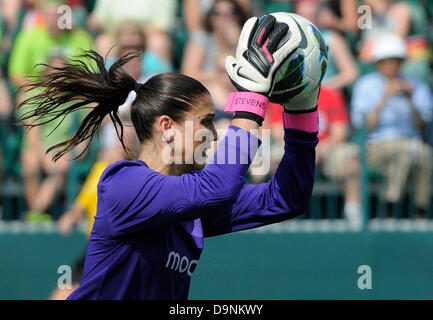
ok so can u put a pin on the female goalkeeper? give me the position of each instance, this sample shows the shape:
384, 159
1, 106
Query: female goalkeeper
152, 216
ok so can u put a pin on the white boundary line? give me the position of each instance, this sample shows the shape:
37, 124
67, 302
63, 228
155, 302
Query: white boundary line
341, 225
23, 227
307, 226
400, 225
291, 226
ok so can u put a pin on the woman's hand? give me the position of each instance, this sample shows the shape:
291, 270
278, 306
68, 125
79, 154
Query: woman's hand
257, 59
257, 56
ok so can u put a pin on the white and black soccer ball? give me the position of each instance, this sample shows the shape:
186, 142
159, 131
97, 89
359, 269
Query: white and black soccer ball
302, 72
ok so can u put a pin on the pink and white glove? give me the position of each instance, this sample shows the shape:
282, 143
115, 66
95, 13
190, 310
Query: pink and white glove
258, 56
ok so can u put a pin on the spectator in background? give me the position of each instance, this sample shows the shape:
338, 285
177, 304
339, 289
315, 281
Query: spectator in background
340, 15
35, 17
10, 22
339, 159
6, 102
6, 108
40, 193
129, 37
389, 16
342, 70
33, 46
157, 18
396, 110
402, 18
196, 10
223, 25
10, 11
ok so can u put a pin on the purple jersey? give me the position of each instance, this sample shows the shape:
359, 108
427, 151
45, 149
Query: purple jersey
149, 228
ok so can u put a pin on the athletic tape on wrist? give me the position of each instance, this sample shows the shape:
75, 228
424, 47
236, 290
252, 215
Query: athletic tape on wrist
308, 122
248, 102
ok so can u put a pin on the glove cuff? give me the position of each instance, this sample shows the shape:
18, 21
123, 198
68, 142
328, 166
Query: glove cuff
247, 102
248, 115
308, 122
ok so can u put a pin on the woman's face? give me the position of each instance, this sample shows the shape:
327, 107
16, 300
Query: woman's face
130, 38
52, 18
193, 137
223, 15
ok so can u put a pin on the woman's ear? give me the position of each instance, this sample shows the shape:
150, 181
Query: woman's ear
166, 127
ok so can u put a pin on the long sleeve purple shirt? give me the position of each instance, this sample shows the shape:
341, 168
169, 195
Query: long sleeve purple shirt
149, 228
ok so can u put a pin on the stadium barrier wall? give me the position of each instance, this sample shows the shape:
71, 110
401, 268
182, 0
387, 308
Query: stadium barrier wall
286, 261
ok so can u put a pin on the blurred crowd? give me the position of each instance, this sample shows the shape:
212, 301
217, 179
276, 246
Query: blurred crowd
375, 104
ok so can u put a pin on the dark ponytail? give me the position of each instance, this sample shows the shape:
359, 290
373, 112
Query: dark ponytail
86, 84
168, 94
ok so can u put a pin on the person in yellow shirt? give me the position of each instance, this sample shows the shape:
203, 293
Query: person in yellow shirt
86, 202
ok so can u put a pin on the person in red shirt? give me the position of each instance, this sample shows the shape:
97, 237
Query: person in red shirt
338, 158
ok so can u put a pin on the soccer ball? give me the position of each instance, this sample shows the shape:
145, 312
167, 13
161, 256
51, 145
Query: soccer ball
302, 72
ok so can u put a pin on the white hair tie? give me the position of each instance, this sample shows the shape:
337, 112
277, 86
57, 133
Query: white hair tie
128, 102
